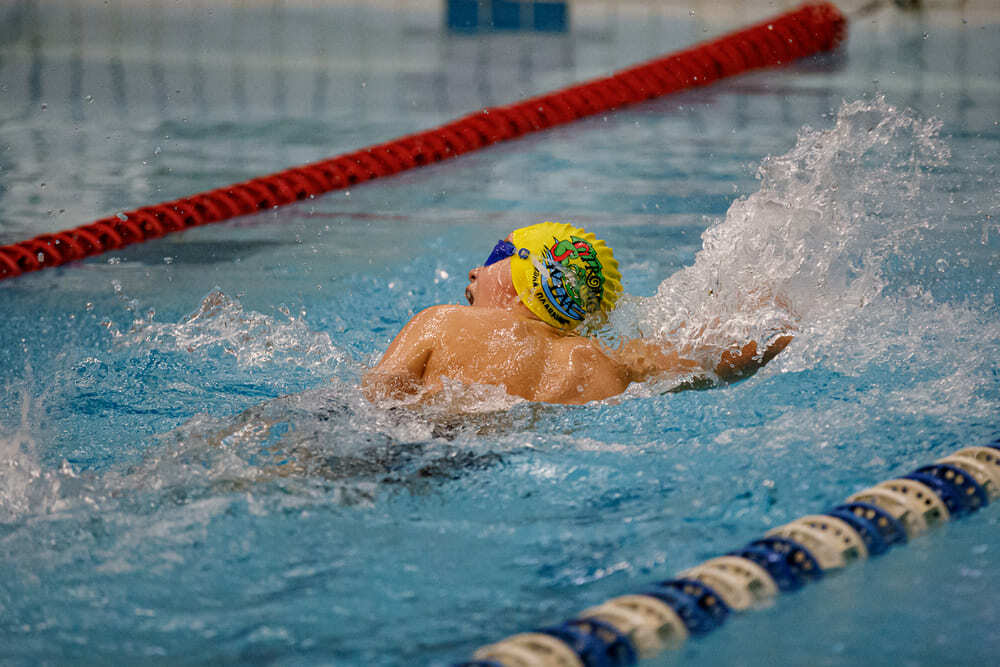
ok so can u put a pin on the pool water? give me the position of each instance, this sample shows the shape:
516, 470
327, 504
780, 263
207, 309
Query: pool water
188, 472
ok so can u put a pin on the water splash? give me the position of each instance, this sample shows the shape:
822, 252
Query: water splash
811, 247
254, 339
26, 486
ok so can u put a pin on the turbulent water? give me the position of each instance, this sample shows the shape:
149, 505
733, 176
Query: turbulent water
848, 244
854, 242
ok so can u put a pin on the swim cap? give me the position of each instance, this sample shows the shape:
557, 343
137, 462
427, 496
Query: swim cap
563, 273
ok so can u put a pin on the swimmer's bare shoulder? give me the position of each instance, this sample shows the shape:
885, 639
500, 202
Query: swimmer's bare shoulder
401, 370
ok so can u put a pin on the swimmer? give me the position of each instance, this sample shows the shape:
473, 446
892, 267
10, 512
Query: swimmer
518, 331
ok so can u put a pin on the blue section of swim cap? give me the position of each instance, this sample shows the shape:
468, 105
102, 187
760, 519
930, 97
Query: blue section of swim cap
866, 530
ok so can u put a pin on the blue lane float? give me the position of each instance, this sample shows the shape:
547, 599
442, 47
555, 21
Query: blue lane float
623, 630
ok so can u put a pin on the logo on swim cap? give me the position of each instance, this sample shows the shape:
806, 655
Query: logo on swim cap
566, 274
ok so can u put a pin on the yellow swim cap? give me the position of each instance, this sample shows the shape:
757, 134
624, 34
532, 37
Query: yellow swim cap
563, 273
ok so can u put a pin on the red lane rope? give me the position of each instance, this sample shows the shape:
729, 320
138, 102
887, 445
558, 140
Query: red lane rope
804, 31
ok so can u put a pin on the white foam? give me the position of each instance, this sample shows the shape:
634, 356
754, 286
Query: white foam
808, 252
26, 487
254, 339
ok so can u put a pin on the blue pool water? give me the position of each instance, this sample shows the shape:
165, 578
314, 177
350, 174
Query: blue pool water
188, 473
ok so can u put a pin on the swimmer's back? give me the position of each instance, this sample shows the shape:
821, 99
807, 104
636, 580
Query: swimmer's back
527, 357
494, 346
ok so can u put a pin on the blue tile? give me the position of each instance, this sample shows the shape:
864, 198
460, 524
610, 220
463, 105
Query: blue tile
506, 15
463, 15
551, 17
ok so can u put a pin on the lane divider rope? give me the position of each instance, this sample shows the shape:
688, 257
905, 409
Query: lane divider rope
625, 629
805, 31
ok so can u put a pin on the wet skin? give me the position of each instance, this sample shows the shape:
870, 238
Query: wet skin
497, 340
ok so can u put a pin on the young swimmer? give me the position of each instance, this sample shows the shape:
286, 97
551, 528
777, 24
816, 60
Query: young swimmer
534, 289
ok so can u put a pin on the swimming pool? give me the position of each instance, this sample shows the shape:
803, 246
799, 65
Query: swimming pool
189, 474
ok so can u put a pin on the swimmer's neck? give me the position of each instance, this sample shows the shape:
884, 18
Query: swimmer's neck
517, 312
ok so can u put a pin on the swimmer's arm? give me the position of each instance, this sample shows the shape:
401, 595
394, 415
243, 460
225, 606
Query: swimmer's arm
645, 359
401, 370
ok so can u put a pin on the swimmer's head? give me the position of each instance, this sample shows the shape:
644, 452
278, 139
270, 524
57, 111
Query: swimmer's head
561, 273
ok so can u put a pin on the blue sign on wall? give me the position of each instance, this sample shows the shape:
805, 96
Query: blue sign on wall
488, 15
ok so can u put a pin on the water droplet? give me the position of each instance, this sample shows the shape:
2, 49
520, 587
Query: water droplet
926, 35
89, 98
942, 265
44, 106
691, 12
122, 217
442, 274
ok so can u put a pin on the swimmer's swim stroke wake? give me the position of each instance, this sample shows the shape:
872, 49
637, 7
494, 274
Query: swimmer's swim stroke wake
519, 330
